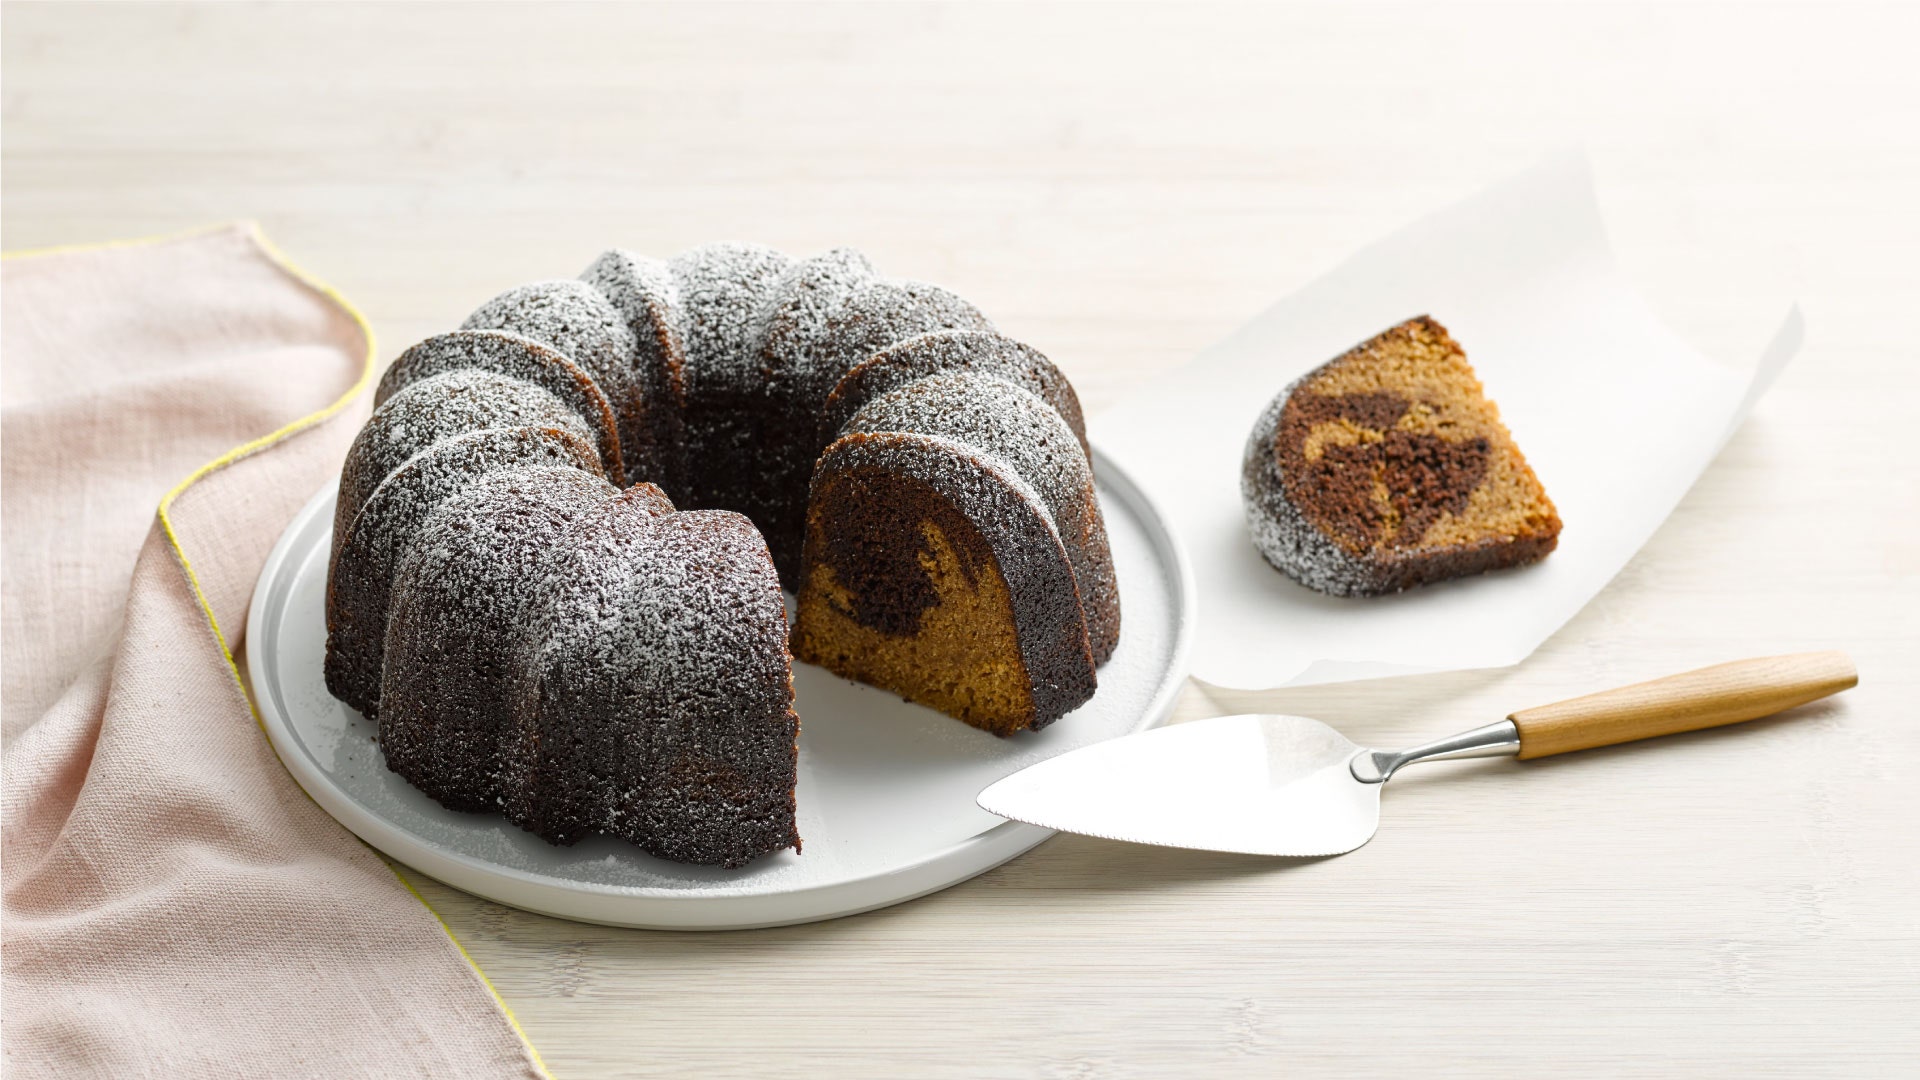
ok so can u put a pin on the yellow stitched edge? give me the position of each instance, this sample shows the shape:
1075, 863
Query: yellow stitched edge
247, 449
334, 296
109, 245
511, 1019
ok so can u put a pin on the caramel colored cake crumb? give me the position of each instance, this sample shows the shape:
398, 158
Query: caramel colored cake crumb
935, 572
1388, 467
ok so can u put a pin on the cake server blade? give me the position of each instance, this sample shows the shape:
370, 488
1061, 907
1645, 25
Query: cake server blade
1263, 785
1289, 785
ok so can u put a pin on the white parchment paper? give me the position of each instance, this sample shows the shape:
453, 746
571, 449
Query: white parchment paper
1616, 414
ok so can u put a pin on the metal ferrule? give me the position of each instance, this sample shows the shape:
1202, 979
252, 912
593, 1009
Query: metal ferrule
1493, 740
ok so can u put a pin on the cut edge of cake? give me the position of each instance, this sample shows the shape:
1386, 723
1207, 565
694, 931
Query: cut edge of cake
958, 595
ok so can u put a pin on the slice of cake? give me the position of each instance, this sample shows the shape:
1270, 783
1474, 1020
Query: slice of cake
1388, 467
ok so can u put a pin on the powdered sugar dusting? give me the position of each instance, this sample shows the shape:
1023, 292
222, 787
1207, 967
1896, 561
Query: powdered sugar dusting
360, 586
996, 419
881, 313
723, 289
569, 316
573, 318
435, 409
647, 295
517, 357
797, 328
678, 619
1283, 535
951, 350
457, 623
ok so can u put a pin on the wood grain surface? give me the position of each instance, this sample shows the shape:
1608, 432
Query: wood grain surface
1122, 187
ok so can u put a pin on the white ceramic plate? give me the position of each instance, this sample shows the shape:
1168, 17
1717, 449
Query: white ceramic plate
886, 793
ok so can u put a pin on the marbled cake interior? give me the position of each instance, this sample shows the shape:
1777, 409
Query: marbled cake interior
1388, 467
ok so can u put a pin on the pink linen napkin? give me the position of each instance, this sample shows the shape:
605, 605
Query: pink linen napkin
174, 904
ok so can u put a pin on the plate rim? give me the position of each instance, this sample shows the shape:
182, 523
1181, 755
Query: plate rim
599, 902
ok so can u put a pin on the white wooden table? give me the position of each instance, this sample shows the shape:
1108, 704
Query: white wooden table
1122, 187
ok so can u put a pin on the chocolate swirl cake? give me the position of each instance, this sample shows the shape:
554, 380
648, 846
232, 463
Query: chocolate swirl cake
561, 539
1387, 467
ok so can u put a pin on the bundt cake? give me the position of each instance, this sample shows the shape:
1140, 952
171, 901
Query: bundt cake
1388, 467
561, 539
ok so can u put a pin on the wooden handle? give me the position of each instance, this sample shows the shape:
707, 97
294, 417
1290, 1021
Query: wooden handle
1709, 697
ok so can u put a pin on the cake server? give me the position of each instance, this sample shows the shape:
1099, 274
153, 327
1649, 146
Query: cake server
1288, 785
